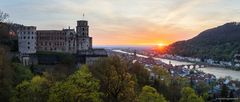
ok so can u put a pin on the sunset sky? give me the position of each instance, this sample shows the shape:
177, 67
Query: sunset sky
126, 22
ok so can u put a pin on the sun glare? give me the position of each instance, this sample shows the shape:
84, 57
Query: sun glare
160, 47
161, 44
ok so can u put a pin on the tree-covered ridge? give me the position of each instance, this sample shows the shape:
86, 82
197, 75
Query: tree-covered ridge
220, 43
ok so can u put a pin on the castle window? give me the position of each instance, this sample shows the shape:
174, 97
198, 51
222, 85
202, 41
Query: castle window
24, 37
28, 47
28, 42
28, 37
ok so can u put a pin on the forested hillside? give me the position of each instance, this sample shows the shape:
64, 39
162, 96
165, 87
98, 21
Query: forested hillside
220, 43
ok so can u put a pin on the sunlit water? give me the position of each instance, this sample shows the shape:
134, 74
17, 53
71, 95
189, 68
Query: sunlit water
217, 71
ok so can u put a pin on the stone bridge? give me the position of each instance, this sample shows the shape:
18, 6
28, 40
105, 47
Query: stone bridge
194, 66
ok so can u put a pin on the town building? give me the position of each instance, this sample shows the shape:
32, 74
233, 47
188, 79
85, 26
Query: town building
237, 58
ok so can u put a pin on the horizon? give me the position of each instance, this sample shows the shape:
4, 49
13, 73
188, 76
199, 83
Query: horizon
126, 23
123, 46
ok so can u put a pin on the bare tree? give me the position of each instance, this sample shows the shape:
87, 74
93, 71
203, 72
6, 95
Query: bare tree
3, 16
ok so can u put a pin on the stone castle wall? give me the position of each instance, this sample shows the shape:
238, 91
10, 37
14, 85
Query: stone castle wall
66, 40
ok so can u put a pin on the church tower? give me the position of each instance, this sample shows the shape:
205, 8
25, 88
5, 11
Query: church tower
84, 42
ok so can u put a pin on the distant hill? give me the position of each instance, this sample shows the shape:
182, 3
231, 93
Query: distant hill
220, 43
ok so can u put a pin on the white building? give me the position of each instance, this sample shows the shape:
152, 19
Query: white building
27, 39
26, 43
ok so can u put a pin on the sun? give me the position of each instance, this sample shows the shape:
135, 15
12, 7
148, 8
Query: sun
160, 47
161, 44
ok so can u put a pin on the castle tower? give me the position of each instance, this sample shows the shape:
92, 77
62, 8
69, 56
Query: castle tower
27, 39
82, 28
84, 42
26, 43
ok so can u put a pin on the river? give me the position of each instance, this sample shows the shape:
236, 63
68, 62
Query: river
217, 71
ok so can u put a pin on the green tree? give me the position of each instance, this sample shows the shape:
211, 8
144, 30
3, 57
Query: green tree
35, 90
202, 89
63, 69
4, 30
79, 87
162, 75
150, 94
162, 82
6, 75
140, 73
21, 73
189, 95
224, 91
58, 72
169, 87
116, 83
173, 94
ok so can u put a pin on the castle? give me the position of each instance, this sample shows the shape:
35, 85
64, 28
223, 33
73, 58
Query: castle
31, 41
